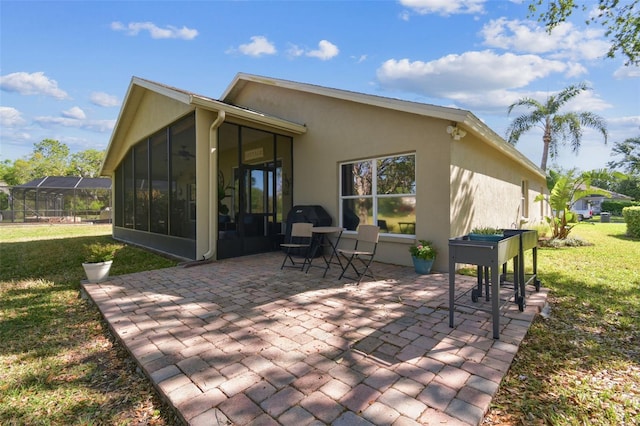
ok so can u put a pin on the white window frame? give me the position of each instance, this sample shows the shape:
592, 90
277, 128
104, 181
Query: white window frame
374, 196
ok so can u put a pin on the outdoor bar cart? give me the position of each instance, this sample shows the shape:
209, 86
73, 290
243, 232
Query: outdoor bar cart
490, 255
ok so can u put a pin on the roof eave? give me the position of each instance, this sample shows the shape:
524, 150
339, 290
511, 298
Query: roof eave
476, 126
468, 119
231, 110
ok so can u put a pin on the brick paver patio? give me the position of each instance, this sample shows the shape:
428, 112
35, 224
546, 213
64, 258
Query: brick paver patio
242, 342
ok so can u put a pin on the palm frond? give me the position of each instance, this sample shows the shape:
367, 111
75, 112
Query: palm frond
595, 122
526, 102
518, 126
570, 92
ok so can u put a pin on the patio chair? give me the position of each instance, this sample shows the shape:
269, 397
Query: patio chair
299, 244
359, 259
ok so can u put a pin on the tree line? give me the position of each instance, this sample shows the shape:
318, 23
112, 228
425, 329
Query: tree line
51, 158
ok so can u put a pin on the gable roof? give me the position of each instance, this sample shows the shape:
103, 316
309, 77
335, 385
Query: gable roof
464, 118
138, 87
610, 194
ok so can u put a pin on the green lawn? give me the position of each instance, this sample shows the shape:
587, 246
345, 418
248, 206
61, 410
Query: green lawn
58, 365
581, 366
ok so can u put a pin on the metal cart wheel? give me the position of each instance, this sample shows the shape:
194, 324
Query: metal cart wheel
537, 284
521, 303
474, 295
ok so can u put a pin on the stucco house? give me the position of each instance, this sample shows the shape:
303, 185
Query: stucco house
202, 178
593, 202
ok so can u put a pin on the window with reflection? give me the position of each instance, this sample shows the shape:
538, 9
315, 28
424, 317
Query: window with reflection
379, 191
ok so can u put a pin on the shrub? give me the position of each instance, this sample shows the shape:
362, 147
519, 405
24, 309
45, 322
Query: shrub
96, 252
615, 206
566, 242
543, 229
632, 218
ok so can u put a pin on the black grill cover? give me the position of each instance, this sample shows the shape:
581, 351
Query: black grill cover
309, 214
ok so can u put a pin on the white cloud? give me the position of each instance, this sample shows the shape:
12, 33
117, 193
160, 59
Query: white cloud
478, 80
565, 41
295, 51
75, 113
359, 59
259, 46
444, 7
621, 128
575, 69
326, 50
101, 126
104, 99
627, 72
32, 84
10, 117
134, 28
630, 122
471, 71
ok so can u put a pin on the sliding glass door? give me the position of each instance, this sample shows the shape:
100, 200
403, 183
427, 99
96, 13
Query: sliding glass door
259, 196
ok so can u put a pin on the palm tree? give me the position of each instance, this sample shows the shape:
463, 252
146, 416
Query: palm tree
557, 128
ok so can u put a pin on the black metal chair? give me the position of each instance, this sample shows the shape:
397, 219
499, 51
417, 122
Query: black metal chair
299, 243
360, 257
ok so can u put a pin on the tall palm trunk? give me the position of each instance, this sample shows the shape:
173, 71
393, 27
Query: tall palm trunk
546, 141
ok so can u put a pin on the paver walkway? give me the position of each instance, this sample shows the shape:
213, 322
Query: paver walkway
242, 342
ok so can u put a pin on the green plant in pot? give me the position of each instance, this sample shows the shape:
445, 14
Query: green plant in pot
98, 260
486, 233
423, 255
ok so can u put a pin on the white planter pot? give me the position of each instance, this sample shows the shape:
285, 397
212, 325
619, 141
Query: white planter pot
97, 272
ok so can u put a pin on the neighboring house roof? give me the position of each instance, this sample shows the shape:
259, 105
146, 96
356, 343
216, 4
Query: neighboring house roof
610, 194
65, 183
466, 118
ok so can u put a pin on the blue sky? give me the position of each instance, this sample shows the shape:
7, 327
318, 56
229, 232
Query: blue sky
65, 66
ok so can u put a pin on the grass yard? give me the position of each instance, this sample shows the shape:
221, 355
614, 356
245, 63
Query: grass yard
581, 366
59, 365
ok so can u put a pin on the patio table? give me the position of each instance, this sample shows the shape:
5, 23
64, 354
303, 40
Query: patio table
322, 241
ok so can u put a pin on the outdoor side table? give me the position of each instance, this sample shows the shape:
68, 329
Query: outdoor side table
491, 255
322, 241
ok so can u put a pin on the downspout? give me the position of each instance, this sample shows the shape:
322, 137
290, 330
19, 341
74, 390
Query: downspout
213, 188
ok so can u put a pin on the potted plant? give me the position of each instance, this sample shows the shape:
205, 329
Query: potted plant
486, 233
98, 260
423, 254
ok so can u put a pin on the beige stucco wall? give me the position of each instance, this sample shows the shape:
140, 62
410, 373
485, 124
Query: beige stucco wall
460, 184
486, 188
152, 113
339, 131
